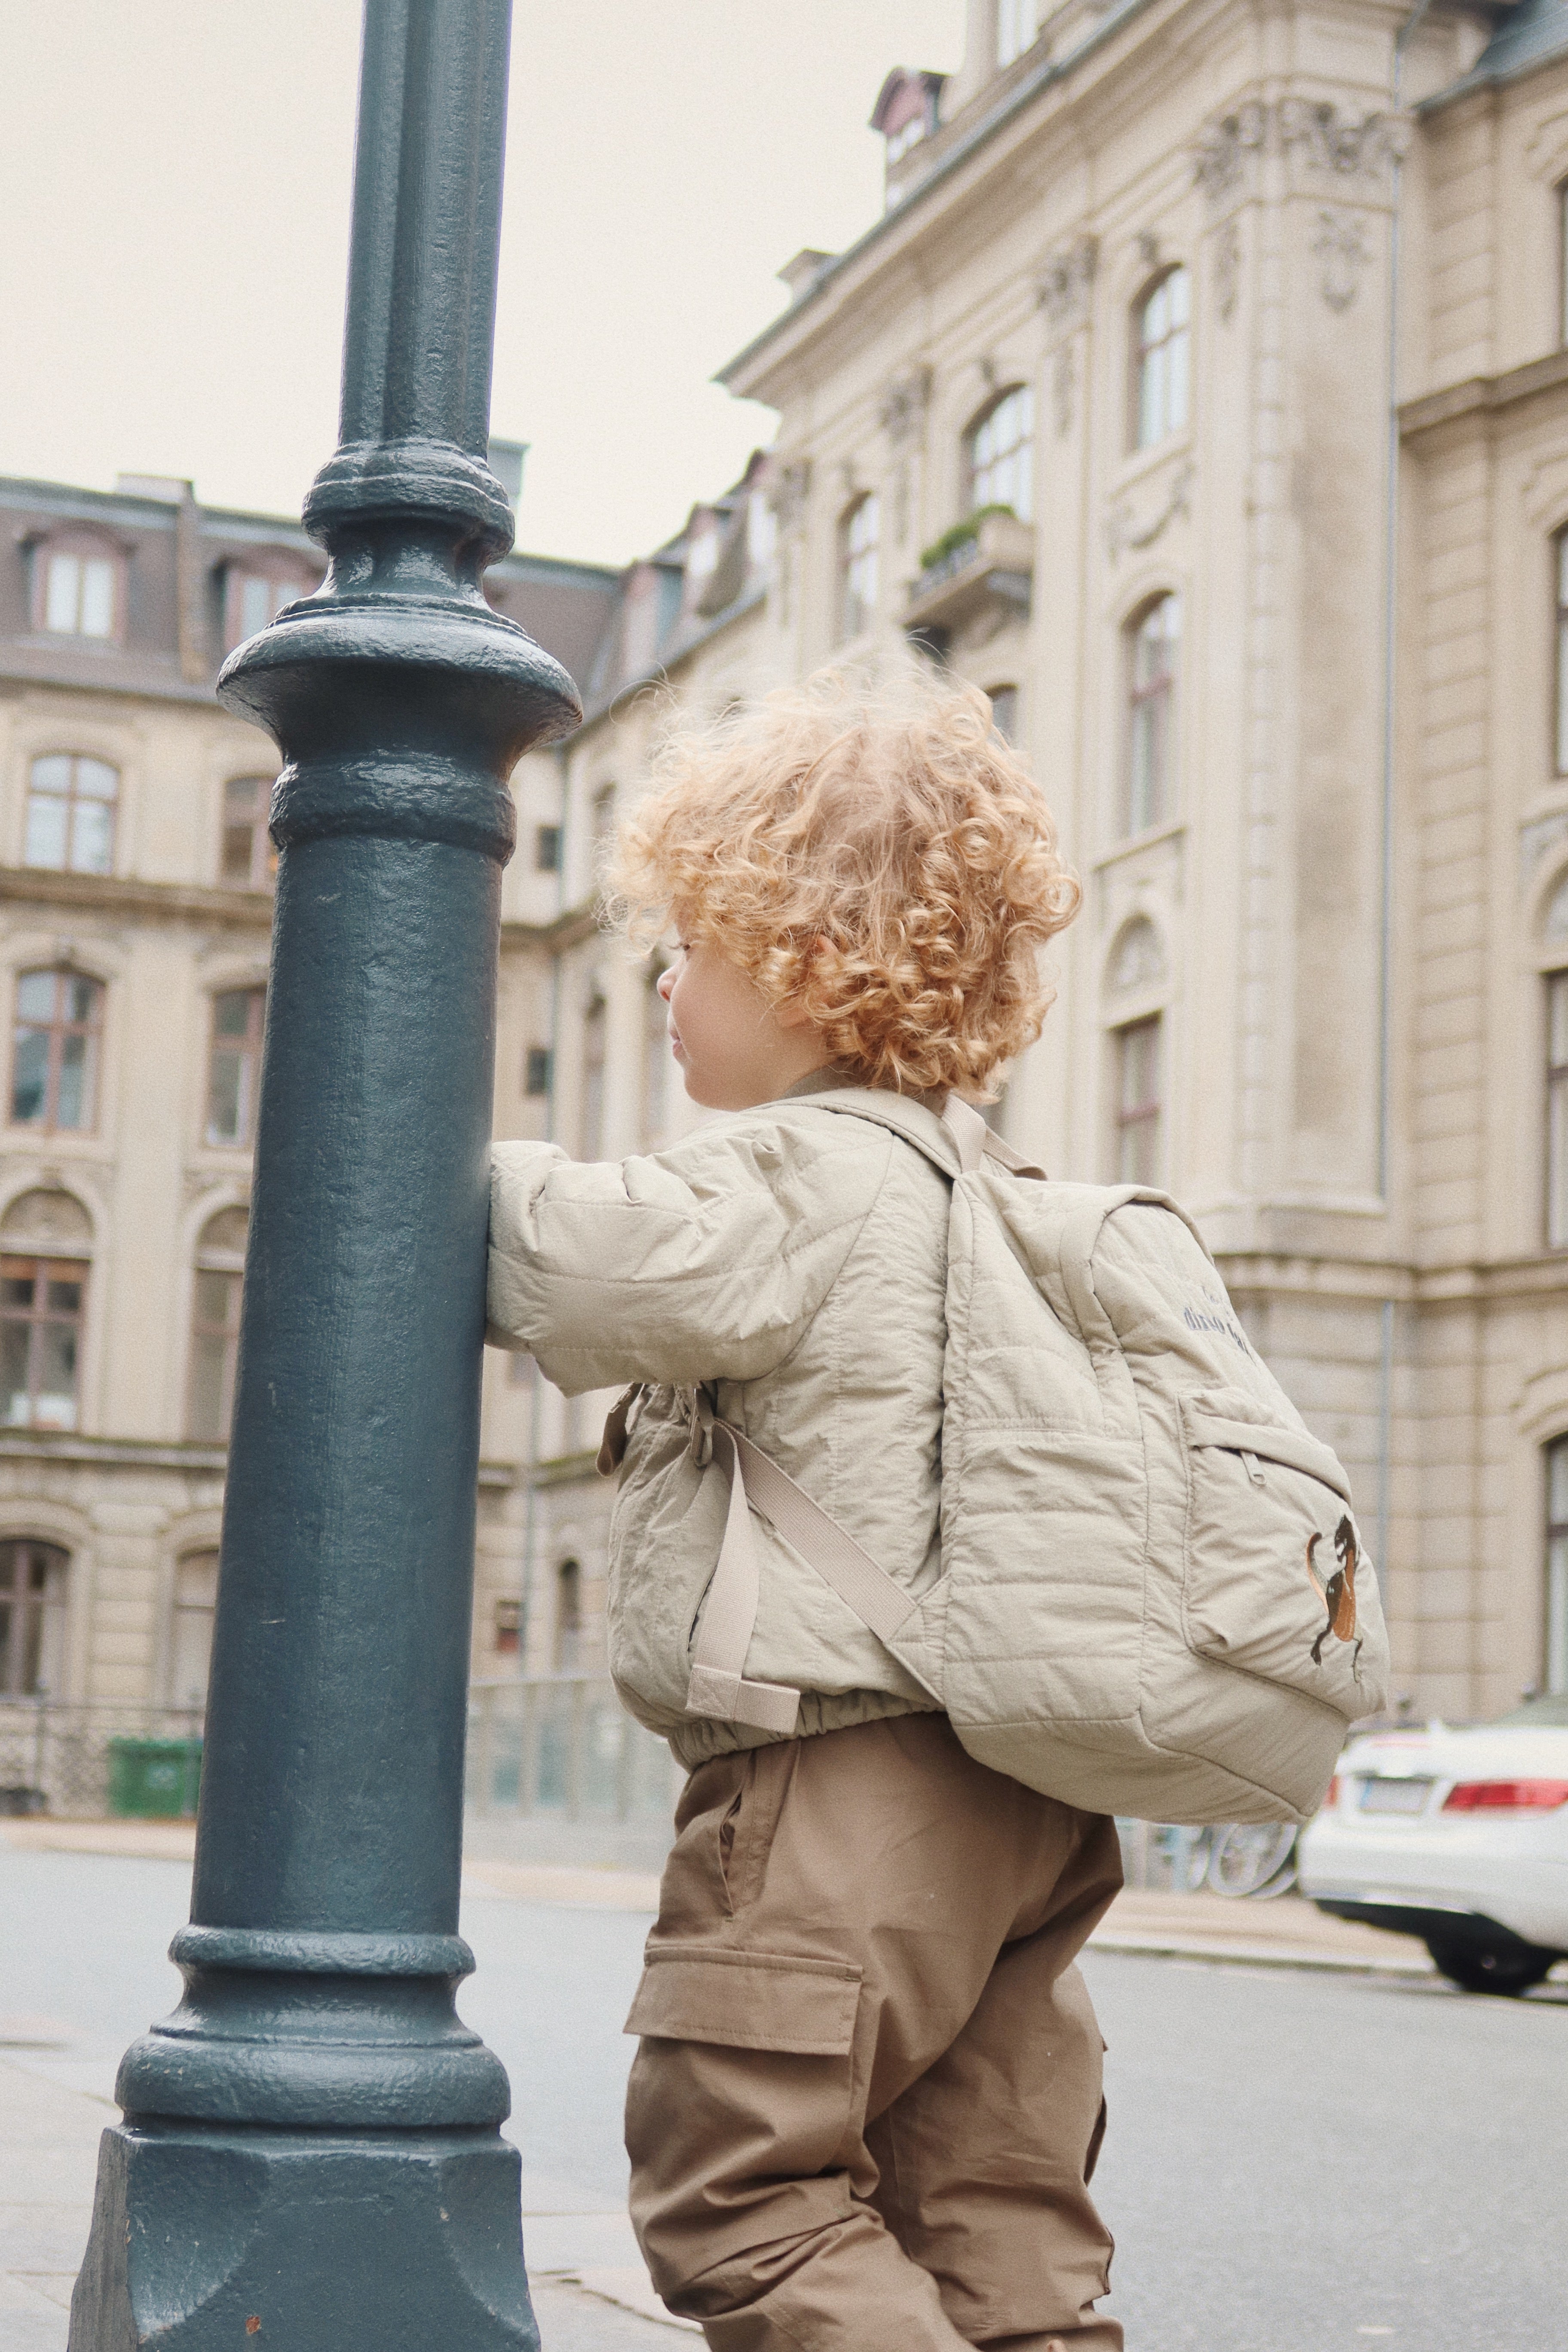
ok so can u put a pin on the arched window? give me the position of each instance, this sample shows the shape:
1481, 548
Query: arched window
568, 1617
54, 1050
859, 532
46, 1240
32, 1618
999, 453
191, 1630
215, 1324
1153, 647
234, 1064
1139, 1110
70, 814
1162, 329
249, 862
1560, 683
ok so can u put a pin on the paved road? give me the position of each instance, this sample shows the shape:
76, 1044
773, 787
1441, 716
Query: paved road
1297, 2162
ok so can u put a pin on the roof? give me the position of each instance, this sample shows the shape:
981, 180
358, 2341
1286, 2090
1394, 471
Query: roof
1531, 34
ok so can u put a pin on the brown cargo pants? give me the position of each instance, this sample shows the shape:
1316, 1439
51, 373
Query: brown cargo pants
866, 2102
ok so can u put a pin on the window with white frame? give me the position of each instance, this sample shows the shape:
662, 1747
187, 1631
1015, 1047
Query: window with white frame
190, 1628
1017, 25
1000, 455
249, 860
71, 803
1562, 263
1162, 358
215, 1300
54, 1038
1138, 1114
859, 532
78, 592
234, 1064
1556, 1628
1559, 694
1154, 640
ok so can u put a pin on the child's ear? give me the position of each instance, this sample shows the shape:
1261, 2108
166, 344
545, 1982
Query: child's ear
792, 1014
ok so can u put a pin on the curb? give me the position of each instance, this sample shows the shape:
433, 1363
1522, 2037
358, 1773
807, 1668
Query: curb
1254, 1956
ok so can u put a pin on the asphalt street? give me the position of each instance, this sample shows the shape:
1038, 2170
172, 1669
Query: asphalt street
1297, 2162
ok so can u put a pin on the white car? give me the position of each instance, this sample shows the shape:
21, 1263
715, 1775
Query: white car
1458, 1836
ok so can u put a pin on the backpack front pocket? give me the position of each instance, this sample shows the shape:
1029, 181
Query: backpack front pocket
1275, 1577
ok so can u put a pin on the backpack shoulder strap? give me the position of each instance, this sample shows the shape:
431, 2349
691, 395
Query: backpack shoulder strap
957, 1141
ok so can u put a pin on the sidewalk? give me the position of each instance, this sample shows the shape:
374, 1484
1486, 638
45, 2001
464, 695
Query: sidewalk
590, 2288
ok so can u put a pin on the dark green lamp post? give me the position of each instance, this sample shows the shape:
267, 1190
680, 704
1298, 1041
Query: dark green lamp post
311, 2155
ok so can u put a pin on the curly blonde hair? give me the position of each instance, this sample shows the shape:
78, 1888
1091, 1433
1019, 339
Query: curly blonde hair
876, 856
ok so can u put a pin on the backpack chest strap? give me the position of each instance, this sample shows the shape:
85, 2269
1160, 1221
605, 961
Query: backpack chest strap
718, 1686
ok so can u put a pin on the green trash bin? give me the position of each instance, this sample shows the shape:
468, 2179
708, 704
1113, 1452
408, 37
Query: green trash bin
156, 1778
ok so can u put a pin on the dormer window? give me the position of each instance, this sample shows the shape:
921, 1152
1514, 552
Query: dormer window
255, 590
908, 110
78, 588
1018, 28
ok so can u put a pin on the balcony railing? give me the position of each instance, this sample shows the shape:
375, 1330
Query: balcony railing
991, 568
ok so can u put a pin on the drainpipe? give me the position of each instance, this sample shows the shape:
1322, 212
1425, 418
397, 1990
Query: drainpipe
1401, 40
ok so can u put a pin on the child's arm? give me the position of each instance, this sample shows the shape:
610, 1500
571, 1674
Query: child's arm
705, 1262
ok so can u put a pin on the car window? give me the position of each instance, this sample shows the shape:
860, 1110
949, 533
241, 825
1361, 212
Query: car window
1541, 1714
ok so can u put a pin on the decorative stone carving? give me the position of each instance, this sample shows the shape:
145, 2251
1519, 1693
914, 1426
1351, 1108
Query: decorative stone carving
1062, 292
1062, 288
903, 413
1124, 531
1340, 244
1226, 150
1063, 382
1318, 134
1226, 267
791, 490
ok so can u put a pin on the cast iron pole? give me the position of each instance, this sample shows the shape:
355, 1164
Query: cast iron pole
311, 2155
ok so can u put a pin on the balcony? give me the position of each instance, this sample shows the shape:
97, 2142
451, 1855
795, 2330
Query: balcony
980, 579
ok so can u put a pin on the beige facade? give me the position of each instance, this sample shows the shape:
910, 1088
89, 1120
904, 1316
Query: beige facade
135, 912
1100, 414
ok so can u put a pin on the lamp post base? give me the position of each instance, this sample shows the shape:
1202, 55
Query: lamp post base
206, 2239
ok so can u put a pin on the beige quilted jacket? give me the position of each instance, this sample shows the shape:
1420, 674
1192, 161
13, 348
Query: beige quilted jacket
795, 1259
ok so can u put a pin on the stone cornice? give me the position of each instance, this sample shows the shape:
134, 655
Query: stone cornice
1480, 396
1456, 1283
116, 894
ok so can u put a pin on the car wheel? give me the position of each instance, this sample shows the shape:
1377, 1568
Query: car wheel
1490, 1968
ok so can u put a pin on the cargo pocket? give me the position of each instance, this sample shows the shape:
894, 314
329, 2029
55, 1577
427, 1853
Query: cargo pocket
1275, 1579
747, 2000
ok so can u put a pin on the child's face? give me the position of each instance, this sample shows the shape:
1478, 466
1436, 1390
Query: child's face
734, 1047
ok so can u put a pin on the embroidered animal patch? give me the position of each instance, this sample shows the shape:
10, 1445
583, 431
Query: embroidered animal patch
1339, 1596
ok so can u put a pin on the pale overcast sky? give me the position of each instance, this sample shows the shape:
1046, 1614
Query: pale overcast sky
174, 182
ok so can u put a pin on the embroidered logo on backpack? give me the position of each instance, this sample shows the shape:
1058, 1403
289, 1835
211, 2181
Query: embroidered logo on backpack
1339, 1599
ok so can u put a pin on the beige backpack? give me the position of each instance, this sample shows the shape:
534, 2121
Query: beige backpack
1155, 1597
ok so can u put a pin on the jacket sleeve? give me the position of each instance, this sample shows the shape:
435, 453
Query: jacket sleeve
705, 1262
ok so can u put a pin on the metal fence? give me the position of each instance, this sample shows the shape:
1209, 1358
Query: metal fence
561, 1747
59, 1758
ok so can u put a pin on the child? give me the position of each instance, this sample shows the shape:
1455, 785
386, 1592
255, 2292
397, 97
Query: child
867, 2101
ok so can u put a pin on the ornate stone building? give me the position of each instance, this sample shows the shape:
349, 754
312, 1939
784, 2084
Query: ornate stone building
135, 907
1202, 394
